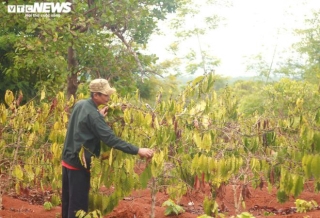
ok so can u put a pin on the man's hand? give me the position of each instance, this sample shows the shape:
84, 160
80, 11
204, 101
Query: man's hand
104, 111
145, 152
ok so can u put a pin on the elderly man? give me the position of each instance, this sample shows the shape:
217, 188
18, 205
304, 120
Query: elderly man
87, 127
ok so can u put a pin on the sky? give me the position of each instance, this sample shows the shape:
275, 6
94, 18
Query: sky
249, 27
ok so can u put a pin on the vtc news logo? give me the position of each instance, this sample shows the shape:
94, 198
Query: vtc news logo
43, 7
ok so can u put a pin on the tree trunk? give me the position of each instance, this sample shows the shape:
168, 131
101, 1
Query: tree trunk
72, 78
153, 198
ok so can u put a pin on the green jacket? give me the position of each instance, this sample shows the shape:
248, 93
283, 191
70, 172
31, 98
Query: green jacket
88, 128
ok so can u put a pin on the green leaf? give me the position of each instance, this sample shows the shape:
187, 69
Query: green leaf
197, 139
197, 80
282, 196
145, 176
110, 157
17, 172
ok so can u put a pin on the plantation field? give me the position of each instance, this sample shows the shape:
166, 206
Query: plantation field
261, 203
206, 140
222, 147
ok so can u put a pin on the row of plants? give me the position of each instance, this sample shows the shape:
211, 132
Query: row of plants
201, 134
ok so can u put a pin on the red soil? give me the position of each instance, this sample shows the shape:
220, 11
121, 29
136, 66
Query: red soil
138, 205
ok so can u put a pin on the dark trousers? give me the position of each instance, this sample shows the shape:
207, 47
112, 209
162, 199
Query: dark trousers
75, 191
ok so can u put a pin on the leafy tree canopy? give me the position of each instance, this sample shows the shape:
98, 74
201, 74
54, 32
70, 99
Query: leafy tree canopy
96, 39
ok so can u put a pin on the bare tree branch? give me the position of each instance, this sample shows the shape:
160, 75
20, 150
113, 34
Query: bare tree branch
124, 41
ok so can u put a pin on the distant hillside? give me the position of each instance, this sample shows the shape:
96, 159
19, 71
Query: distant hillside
183, 79
252, 78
